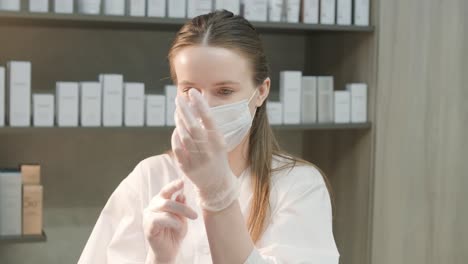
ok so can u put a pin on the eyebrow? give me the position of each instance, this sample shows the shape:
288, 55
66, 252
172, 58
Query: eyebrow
216, 84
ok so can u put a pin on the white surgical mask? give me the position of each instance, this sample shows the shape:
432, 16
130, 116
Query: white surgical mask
233, 121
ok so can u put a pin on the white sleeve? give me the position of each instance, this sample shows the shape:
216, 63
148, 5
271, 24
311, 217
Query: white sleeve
300, 230
118, 236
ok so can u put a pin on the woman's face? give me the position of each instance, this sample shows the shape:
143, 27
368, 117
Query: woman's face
222, 76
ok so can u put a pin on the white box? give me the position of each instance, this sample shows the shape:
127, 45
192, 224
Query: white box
155, 110
310, 11
358, 102
156, 8
89, 7
344, 12
177, 8
229, 5
277, 11
361, 12
199, 7
19, 93
136, 7
134, 104
256, 10
43, 110
325, 98
171, 93
290, 96
327, 12
293, 11
10, 203
40, 6
275, 113
10, 5
91, 104
112, 99
114, 7
2, 96
67, 97
342, 107
63, 6
309, 100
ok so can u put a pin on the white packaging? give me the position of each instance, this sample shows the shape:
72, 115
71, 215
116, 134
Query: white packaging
90, 104
2, 96
275, 113
256, 10
19, 93
10, 5
310, 11
342, 109
171, 93
293, 11
327, 12
155, 110
361, 12
89, 7
134, 104
43, 110
309, 100
67, 97
358, 102
229, 5
63, 6
136, 7
10, 203
290, 96
40, 6
325, 98
276, 10
114, 7
177, 8
199, 7
344, 12
156, 8
112, 99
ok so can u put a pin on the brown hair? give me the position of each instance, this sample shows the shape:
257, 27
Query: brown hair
224, 29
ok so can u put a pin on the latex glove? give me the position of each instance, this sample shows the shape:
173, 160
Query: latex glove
165, 223
201, 153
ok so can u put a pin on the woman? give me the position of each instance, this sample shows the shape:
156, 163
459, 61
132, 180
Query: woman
225, 193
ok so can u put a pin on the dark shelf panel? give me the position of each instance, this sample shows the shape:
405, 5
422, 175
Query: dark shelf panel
79, 20
304, 127
23, 239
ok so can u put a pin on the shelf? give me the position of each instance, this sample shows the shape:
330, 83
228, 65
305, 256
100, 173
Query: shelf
23, 239
79, 20
305, 127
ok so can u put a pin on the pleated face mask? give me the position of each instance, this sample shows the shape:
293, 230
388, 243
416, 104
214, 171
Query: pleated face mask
233, 120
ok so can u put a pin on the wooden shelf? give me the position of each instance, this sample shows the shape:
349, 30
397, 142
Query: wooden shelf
23, 239
80, 20
305, 127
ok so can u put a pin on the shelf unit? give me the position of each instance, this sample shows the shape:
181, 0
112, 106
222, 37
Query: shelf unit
60, 44
23, 239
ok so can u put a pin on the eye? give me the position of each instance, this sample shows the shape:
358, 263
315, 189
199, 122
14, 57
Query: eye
225, 91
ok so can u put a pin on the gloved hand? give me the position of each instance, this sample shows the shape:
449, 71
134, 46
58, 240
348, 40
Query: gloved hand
165, 223
201, 152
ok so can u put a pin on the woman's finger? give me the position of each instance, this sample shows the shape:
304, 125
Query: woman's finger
169, 189
178, 149
202, 108
173, 207
192, 125
184, 134
158, 221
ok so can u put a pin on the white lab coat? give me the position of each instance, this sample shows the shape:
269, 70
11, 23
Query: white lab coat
300, 230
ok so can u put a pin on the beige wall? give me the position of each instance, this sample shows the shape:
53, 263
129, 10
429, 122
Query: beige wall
421, 165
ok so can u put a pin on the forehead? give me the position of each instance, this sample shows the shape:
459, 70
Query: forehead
207, 63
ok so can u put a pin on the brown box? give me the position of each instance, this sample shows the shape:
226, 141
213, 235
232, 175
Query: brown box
32, 209
31, 173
